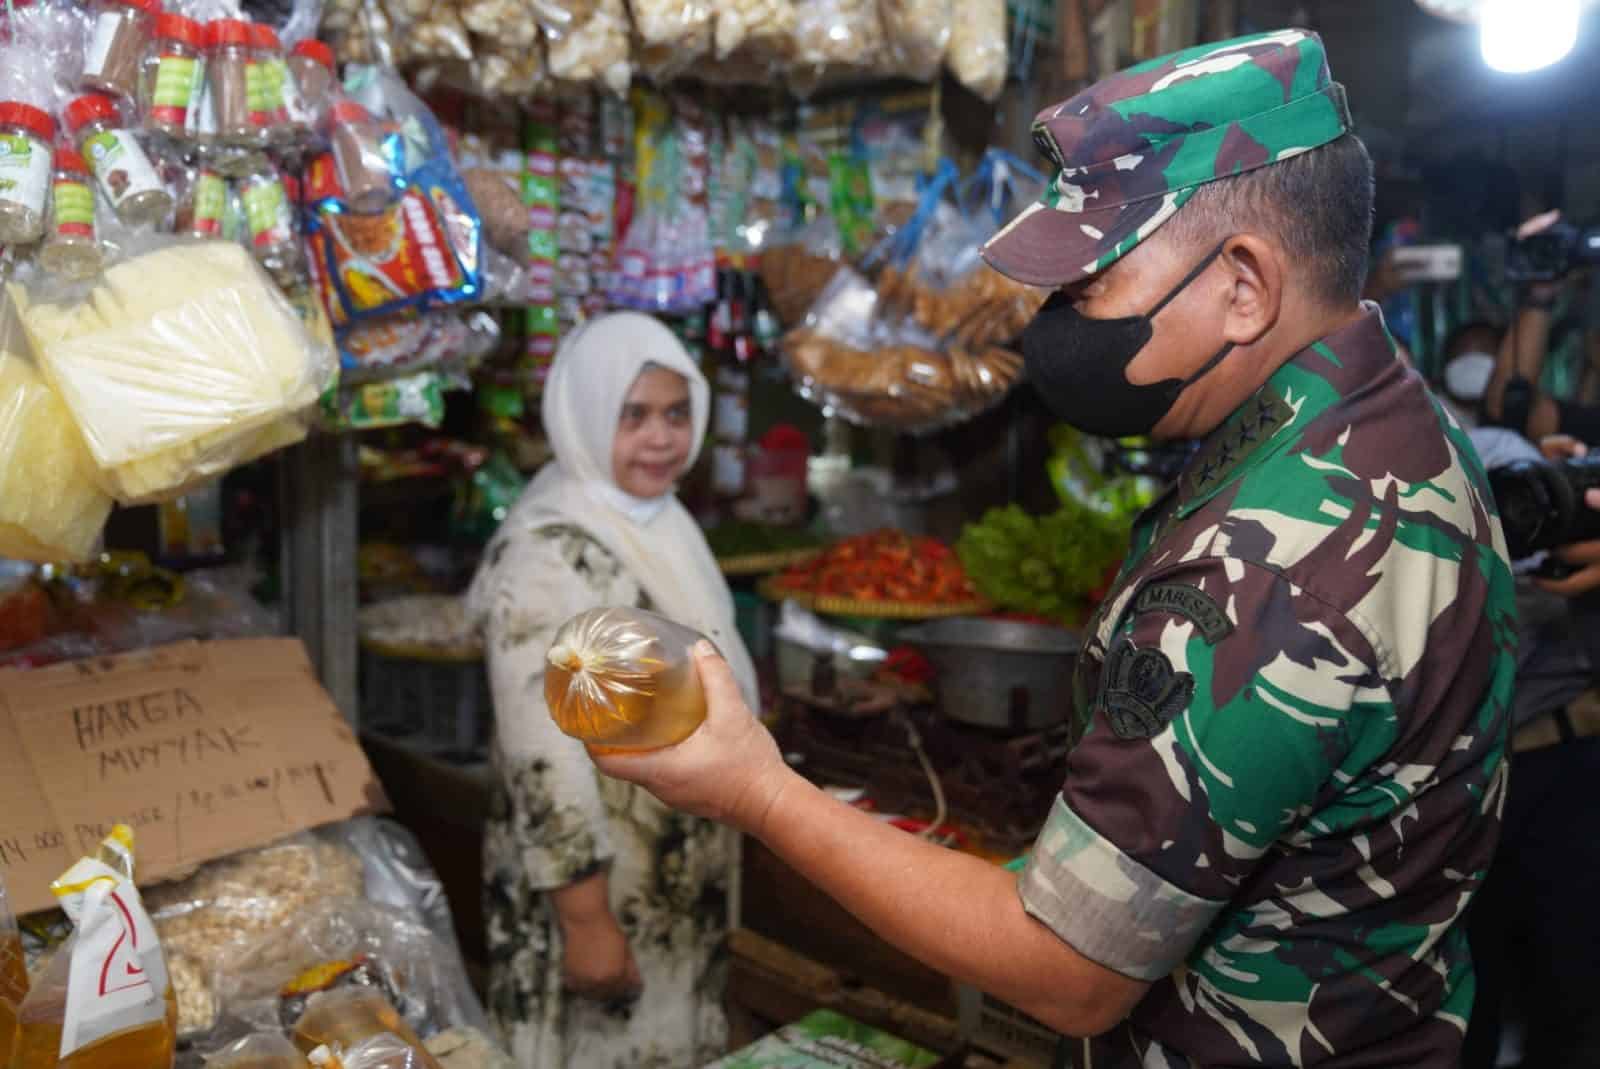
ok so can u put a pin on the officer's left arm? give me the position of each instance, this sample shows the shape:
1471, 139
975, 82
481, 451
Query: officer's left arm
1227, 702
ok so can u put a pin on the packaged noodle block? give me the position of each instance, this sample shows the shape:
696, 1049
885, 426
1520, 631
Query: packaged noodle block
176, 363
51, 506
103, 1000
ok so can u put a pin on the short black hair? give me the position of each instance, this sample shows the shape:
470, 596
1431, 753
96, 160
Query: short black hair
1318, 206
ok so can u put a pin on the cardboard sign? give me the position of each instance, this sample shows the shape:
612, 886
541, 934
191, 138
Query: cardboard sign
204, 749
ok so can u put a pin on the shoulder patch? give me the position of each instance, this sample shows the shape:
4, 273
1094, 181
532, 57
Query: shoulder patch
1140, 691
1189, 602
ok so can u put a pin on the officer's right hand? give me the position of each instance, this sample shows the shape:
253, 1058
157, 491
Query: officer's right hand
1585, 556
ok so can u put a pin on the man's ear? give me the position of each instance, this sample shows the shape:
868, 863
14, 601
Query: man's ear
1257, 274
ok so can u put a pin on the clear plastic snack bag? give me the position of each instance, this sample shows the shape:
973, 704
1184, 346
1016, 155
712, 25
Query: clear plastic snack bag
836, 40
178, 364
978, 48
72, 1018
674, 34
918, 32
52, 508
623, 679
343, 943
264, 1050
593, 47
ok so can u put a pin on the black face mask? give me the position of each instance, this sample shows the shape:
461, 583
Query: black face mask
1079, 365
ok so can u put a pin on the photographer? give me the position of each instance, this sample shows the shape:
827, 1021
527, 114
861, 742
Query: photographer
1552, 307
1533, 927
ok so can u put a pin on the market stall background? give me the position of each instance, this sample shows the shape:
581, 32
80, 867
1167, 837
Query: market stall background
283, 281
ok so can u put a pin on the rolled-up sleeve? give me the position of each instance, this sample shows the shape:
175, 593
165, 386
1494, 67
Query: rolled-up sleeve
1226, 703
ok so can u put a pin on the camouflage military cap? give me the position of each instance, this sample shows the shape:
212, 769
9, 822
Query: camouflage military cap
1131, 149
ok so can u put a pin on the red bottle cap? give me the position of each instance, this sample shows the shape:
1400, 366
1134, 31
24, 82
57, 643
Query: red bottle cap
36, 121
221, 33
266, 37
311, 48
88, 109
172, 27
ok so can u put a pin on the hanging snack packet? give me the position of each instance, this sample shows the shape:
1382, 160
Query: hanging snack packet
104, 999
412, 240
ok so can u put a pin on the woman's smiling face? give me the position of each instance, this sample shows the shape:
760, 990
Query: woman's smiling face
655, 434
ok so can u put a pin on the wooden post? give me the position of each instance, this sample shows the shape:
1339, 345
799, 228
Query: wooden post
319, 495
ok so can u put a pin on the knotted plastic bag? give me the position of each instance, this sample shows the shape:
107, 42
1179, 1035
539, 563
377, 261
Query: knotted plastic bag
623, 679
104, 998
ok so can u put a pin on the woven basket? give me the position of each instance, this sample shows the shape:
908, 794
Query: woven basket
749, 564
830, 605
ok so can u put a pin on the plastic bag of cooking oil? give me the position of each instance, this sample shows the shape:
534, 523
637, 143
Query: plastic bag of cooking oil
265, 1050
623, 679
104, 1000
380, 1052
337, 1023
13, 976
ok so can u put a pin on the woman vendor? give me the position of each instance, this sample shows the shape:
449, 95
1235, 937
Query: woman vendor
607, 911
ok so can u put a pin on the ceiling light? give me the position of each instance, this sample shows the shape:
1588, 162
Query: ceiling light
1519, 36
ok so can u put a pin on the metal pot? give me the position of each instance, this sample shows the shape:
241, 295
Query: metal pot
1000, 673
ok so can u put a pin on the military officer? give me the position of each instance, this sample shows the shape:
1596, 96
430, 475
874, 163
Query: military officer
1294, 699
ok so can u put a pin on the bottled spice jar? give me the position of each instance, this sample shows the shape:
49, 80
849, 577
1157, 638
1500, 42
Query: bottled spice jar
117, 45
202, 206
172, 76
228, 65
276, 87
71, 248
311, 71
25, 136
271, 220
119, 163
360, 157
259, 86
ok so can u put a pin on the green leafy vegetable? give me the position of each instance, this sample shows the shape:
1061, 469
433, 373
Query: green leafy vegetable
1048, 566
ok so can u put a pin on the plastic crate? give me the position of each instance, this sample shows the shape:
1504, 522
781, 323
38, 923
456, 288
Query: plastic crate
440, 706
1000, 1028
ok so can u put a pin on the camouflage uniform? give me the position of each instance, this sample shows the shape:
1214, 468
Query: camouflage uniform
1295, 698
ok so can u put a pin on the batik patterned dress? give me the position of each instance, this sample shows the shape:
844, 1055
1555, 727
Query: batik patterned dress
554, 821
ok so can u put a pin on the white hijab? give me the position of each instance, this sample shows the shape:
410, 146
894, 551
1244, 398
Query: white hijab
656, 540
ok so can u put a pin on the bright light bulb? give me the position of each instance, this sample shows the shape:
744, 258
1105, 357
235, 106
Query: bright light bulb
1524, 35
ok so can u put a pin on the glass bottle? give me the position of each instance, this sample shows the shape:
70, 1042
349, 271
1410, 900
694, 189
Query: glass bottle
25, 136
172, 76
119, 163
117, 45
622, 679
71, 248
